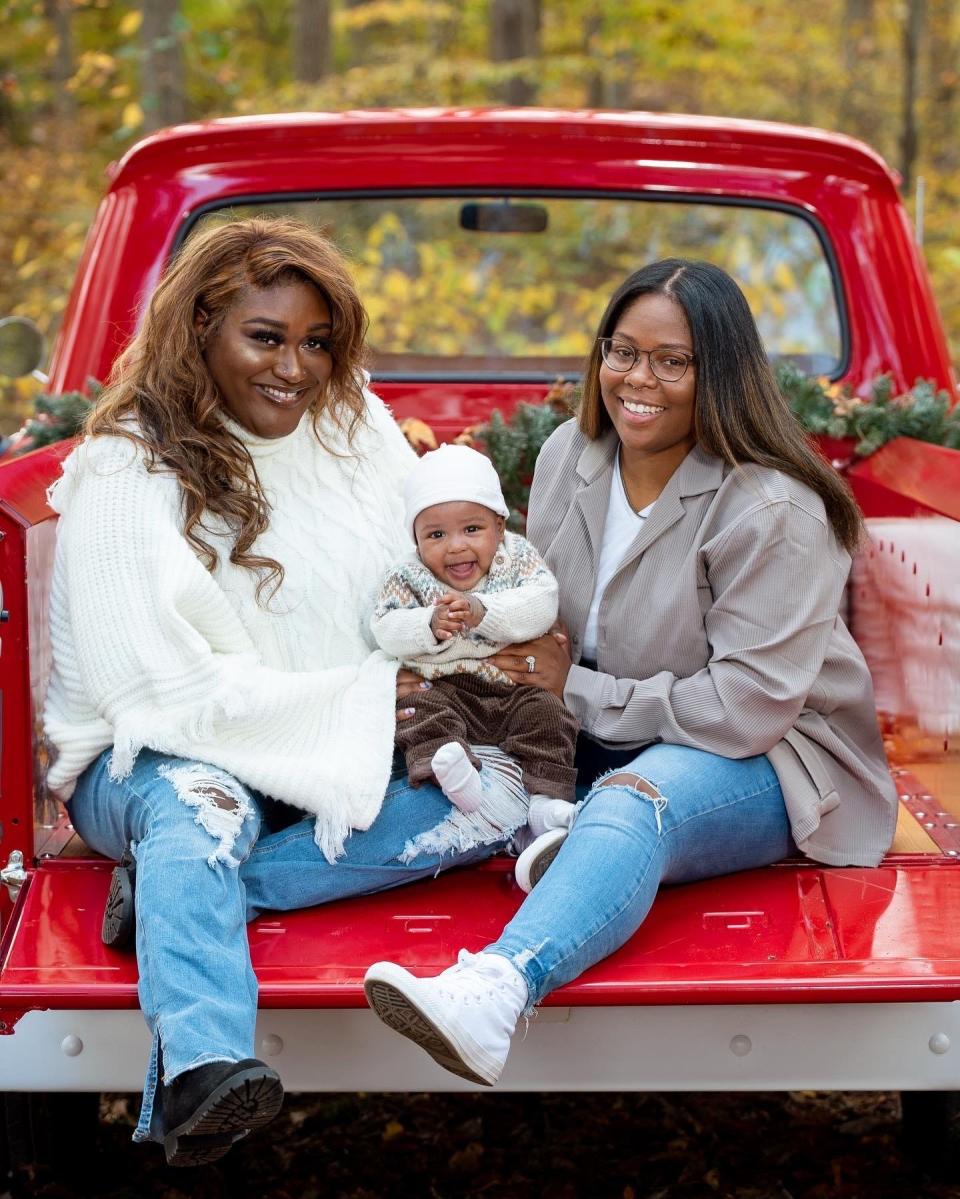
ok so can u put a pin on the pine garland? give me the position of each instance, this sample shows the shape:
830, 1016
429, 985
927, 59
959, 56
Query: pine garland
58, 417
513, 445
823, 408
55, 418
833, 410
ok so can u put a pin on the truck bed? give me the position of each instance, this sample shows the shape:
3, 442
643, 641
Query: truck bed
794, 932
795, 976
794, 954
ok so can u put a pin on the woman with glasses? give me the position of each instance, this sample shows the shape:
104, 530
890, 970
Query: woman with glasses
701, 548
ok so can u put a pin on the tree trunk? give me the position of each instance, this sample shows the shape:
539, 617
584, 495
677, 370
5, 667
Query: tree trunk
912, 31
356, 39
857, 109
60, 71
592, 27
515, 33
162, 77
272, 36
943, 99
312, 45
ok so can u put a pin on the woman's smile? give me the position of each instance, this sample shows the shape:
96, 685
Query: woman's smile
643, 412
282, 396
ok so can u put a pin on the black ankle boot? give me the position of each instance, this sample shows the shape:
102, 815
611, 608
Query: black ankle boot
207, 1110
119, 916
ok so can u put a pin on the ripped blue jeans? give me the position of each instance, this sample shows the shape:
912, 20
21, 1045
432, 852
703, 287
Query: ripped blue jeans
700, 816
210, 855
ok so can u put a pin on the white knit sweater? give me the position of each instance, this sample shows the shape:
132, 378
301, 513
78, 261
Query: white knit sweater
150, 649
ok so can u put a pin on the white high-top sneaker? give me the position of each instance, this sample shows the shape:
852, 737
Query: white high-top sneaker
464, 1017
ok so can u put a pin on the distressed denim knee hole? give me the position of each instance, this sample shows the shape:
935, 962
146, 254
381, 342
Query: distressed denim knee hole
636, 785
627, 778
221, 802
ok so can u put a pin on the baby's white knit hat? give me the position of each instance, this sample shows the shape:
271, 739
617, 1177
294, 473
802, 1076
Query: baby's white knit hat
453, 472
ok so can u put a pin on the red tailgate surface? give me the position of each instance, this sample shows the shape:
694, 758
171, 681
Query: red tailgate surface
788, 934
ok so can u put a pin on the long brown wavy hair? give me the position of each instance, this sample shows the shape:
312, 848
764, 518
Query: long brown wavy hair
740, 414
161, 395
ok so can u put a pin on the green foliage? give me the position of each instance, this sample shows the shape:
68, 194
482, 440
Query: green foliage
58, 417
812, 402
826, 408
54, 418
738, 58
513, 445
823, 408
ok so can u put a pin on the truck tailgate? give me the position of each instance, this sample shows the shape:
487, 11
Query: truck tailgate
792, 933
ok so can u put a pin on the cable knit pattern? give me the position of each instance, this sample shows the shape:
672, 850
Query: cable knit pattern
518, 592
151, 650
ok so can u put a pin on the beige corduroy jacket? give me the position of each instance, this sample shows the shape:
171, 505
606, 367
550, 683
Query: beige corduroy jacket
720, 631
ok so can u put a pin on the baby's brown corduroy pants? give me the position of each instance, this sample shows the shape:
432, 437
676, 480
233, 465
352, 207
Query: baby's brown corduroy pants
531, 724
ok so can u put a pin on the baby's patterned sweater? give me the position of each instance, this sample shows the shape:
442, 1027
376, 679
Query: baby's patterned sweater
518, 592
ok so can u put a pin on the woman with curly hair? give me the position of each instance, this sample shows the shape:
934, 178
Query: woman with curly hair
223, 530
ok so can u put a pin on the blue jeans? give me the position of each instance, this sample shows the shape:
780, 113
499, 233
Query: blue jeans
201, 875
204, 870
715, 816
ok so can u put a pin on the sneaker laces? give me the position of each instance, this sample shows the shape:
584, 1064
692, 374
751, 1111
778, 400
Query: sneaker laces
491, 974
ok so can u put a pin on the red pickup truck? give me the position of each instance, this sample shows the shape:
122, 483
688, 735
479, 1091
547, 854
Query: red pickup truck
485, 245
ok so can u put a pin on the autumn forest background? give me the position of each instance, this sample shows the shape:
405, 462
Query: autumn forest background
81, 80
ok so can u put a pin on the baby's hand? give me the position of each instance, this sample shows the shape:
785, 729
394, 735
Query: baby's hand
446, 622
476, 611
455, 612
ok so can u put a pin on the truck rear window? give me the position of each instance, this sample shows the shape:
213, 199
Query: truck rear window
512, 286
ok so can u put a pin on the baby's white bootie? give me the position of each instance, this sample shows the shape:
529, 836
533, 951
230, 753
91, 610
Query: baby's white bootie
459, 779
546, 813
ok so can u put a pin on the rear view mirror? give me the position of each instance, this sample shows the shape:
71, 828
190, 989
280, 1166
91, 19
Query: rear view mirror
502, 216
21, 347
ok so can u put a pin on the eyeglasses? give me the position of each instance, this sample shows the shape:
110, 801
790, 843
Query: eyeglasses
669, 366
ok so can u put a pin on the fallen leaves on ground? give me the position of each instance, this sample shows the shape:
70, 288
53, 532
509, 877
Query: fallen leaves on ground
804, 1145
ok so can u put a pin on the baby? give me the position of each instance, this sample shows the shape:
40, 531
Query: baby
471, 589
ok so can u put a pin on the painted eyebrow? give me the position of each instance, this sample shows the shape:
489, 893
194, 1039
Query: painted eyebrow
266, 320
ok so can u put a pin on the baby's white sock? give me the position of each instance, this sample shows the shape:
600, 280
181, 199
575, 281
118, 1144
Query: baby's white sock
546, 813
458, 778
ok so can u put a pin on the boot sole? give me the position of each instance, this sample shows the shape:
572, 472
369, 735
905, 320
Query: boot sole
529, 870
242, 1104
399, 1012
119, 916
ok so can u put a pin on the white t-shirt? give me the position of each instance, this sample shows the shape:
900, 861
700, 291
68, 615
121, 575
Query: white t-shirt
620, 528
